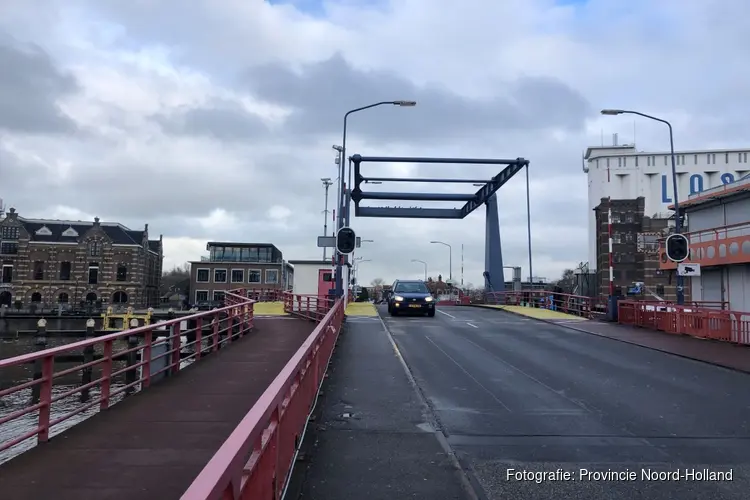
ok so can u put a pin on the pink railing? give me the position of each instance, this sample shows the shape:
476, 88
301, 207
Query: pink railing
727, 326
256, 461
104, 369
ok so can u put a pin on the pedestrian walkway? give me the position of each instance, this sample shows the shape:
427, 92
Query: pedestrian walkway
372, 438
734, 356
356, 309
153, 444
535, 312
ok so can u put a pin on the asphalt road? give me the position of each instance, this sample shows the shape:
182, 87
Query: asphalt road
518, 396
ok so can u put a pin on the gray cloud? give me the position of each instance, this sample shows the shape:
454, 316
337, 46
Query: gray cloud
30, 85
321, 94
221, 119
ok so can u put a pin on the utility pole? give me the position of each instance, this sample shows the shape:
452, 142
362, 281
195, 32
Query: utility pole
327, 182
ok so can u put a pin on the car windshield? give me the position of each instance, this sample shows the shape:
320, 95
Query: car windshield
411, 287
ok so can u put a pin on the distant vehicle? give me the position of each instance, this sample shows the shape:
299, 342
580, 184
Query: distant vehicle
410, 297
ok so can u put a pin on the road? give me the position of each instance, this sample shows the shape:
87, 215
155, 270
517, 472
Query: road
518, 396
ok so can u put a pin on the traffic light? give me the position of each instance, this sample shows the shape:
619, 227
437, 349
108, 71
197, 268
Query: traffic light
346, 240
678, 247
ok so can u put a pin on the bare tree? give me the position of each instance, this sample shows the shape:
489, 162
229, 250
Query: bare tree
377, 282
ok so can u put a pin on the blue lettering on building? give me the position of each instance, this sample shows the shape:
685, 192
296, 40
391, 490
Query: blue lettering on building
696, 184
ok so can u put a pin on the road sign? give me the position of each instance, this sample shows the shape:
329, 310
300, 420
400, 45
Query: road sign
686, 269
330, 242
346, 240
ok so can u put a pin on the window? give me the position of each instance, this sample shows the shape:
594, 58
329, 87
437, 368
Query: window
628, 237
619, 161
65, 271
202, 276
10, 233
220, 275
218, 296
624, 161
38, 270
253, 276
615, 217
63, 298
411, 287
665, 161
695, 159
7, 274
615, 237
636, 161
648, 161
742, 157
8, 248
201, 295
272, 276
94, 249
327, 277
93, 273
660, 290
122, 273
726, 157
238, 275
629, 217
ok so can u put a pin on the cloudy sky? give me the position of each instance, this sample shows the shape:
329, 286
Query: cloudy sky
214, 119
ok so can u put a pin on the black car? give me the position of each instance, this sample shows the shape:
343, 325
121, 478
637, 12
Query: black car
410, 297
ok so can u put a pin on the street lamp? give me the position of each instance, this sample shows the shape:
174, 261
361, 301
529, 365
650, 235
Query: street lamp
343, 206
677, 222
425, 267
327, 182
450, 258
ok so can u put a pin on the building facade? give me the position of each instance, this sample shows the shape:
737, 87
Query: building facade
719, 235
635, 250
50, 262
258, 266
623, 173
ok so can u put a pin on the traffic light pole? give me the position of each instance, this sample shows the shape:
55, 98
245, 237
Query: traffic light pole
677, 218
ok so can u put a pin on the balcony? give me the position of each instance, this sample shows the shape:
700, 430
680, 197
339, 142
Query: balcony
714, 247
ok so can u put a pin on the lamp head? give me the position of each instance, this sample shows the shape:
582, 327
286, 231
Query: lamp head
405, 104
612, 112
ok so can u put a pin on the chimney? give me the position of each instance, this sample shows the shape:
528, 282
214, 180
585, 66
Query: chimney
96, 222
12, 215
614, 139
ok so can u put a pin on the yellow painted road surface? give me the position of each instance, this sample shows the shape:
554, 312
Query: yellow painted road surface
361, 309
269, 309
533, 312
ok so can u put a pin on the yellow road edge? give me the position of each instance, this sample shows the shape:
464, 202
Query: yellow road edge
269, 309
361, 309
534, 312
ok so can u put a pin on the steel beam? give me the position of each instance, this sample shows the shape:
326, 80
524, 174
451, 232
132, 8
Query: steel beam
357, 197
484, 193
442, 181
407, 159
408, 213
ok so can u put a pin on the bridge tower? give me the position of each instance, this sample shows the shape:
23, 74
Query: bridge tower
493, 250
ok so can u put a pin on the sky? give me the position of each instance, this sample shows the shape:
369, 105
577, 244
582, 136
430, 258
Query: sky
214, 120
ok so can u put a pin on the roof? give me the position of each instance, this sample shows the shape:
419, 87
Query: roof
237, 244
310, 262
63, 231
629, 149
740, 187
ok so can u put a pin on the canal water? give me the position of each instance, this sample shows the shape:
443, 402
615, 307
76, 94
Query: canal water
12, 344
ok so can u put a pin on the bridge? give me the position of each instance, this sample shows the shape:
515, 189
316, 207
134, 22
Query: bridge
522, 395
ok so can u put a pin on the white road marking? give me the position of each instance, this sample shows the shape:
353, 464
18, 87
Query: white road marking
443, 312
475, 326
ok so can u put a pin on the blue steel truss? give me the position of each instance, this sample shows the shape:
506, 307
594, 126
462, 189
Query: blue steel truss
486, 195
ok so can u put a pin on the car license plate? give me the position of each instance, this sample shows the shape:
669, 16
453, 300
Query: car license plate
415, 305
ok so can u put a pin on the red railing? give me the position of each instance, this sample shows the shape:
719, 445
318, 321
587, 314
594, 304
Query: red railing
256, 461
727, 326
310, 307
577, 305
98, 372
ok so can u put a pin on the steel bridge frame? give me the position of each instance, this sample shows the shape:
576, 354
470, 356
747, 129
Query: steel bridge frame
485, 195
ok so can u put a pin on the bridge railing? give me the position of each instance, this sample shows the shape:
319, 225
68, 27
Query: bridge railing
52, 389
257, 459
702, 322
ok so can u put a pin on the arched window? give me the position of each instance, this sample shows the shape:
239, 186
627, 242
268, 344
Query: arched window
91, 297
122, 272
36, 297
63, 298
120, 298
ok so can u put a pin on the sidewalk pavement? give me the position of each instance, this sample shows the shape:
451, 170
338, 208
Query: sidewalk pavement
535, 312
269, 309
360, 309
724, 354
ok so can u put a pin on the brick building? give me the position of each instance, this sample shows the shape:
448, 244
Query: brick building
51, 262
635, 244
229, 266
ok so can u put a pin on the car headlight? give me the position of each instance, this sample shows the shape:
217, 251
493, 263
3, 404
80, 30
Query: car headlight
398, 298
428, 299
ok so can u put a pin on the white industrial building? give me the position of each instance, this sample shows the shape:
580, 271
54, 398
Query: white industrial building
622, 172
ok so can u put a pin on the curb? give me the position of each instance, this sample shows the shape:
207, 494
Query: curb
569, 327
